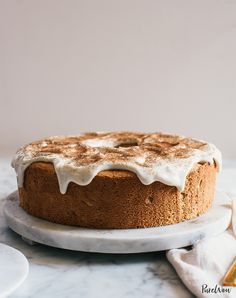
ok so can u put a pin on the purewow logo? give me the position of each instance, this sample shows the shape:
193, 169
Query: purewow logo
216, 289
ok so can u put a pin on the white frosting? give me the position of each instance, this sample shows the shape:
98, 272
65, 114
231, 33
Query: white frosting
170, 171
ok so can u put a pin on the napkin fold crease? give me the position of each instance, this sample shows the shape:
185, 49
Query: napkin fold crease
203, 268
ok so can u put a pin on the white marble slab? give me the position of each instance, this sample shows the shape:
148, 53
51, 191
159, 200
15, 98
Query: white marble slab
63, 273
214, 222
14, 269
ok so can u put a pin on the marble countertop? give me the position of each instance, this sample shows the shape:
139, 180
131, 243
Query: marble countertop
61, 273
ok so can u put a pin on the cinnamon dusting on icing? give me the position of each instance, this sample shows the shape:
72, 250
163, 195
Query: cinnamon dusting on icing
153, 157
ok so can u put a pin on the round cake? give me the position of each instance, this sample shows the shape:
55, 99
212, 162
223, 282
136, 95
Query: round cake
117, 180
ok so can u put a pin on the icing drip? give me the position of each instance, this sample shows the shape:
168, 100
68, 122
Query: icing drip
152, 157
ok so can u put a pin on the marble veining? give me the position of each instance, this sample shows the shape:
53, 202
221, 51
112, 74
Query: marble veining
61, 273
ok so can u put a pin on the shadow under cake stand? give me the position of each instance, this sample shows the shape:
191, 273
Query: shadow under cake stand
35, 230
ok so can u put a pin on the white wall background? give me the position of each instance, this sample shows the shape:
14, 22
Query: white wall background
71, 66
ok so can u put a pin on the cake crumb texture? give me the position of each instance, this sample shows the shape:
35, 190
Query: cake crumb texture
116, 198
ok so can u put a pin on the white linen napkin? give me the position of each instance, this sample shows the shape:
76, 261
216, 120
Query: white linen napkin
203, 268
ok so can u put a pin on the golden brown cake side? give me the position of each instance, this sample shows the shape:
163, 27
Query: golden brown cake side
116, 199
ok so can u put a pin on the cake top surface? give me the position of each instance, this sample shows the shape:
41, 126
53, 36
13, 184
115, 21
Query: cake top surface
93, 147
152, 156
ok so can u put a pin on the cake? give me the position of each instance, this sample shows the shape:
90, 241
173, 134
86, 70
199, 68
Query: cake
117, 180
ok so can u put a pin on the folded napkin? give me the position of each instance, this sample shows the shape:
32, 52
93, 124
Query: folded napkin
203, 268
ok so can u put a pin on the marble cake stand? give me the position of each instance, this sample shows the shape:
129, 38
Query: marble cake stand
35, 230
